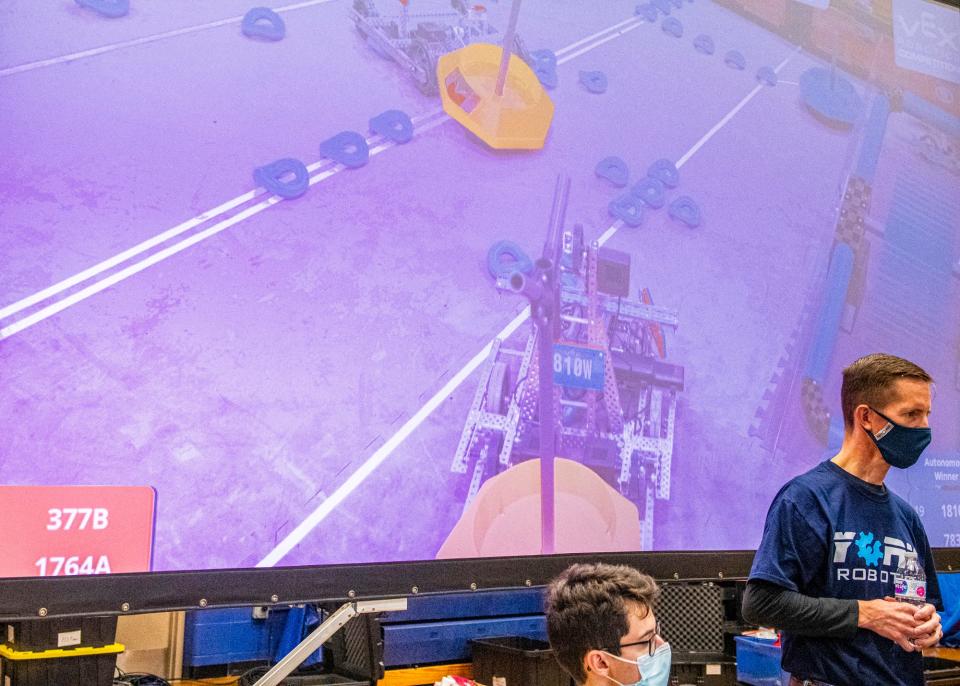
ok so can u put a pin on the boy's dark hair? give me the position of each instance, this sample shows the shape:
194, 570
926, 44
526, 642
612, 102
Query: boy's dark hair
869, 381
587, 609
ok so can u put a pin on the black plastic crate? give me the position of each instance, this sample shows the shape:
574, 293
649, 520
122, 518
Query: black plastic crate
940, 672
708, 674
356, 650
519, 661
40, 635
90, 670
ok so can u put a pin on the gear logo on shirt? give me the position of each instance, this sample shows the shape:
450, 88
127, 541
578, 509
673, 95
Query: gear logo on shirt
869, 550
877, 557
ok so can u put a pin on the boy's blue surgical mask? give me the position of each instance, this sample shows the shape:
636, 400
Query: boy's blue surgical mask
654, 669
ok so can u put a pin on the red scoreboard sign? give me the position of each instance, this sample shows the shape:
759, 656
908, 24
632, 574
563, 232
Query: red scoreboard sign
73, 530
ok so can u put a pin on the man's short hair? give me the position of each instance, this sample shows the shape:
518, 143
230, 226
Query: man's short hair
587, 609
870, 380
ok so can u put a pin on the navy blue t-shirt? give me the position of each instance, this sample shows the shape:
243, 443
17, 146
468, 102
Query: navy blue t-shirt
829, 534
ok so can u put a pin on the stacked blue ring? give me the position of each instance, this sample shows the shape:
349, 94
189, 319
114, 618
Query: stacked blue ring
628, 208
545, 67
651, 191
666, 172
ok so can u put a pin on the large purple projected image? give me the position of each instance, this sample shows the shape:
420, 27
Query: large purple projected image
286, 268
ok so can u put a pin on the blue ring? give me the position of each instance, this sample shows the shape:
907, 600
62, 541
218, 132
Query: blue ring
108, 8
614, 170
545, 67
672, 26
735, 60
336, 149
548, 77
594, 81
685, 210
666, 172
544, 57
767, 75
647, 11
662, 5
393, 125
628, 208
253, 27
651, 190
500, 269
269, 175
704, 44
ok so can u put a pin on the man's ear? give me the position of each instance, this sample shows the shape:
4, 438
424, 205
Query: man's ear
596, 661
861, 417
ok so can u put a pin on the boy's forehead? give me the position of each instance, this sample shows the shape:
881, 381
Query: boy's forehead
641, 618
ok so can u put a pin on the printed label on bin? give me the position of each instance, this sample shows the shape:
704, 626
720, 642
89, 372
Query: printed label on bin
65, 639
76, 530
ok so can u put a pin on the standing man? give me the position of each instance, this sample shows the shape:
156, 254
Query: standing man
835, 537
603, 628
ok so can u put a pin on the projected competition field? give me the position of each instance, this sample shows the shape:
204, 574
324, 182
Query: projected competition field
336, 377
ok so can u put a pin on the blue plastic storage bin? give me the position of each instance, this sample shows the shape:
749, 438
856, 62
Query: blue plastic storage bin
758, 662
232, 636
